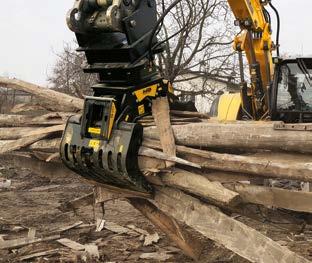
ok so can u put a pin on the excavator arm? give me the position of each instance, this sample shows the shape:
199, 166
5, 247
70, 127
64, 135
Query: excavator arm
118, 38
255, 40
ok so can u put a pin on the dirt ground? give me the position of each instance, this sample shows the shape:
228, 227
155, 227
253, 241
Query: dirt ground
33, 201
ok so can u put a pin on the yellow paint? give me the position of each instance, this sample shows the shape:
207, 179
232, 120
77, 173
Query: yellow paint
229, 106
141, 109
252, 11
146, 92
95, 144
111, 120
121, 148
94, 130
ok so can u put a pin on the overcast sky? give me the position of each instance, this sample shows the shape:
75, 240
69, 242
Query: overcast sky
32, 31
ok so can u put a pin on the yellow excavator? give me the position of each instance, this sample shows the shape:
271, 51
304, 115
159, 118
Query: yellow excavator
119, 40
280, 89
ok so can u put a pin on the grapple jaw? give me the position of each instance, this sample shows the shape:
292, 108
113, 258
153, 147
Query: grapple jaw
112, 162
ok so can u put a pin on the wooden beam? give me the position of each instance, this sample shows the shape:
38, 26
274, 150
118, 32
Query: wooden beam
65, 101
47, 145
15, 133
189, 114
160, 110
144, 151
201, 186
213, 224
31, 138
299, 201
54, 118
246, 135
254, 165
190, 246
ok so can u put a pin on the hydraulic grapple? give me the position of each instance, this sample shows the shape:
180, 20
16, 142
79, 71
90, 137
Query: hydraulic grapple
102, 144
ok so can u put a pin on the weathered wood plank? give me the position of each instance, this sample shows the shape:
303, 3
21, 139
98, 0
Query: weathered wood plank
201, 186
191, 246
246, 135
210, 222
62, 100
254, 165
299, 201
160, 110
9, 244
31, 138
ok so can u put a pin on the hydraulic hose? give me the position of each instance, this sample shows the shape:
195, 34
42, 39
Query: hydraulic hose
278, 28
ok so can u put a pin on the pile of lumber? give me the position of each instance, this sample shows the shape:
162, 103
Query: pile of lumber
202, 170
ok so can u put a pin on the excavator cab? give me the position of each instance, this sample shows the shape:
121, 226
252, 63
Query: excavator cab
291, 93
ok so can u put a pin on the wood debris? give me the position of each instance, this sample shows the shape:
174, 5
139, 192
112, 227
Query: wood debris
9, 244
71, 244
40, 254
158, 256
201, 170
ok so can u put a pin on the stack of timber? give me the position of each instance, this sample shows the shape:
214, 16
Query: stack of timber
202, 171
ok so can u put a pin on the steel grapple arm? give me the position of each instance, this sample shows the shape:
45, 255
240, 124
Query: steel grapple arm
115, 35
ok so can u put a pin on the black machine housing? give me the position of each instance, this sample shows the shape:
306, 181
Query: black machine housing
102, 145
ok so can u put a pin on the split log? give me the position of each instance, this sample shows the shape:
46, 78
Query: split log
31, 138
160, 110
61, 100
144, 151
9, 120
201, 186
210, 222
48, 145
25, 107
172, 119
189, 114
274, 197
238, 136
259, 166
191, 246
37, 166
15, 133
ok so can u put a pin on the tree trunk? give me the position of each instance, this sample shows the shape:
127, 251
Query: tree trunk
241, 135
64, 101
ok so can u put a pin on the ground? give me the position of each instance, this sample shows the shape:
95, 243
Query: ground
33, 201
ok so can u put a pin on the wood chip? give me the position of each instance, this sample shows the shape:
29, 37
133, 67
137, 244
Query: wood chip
100, 223
144, 151
92, 250
160, 256
66, 228
5, 184
116, 228
139, 230
71, 244
150, 239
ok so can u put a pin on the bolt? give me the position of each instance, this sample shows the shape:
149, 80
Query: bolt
132, 23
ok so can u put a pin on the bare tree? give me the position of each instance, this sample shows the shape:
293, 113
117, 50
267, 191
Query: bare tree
67, 75
198, 36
